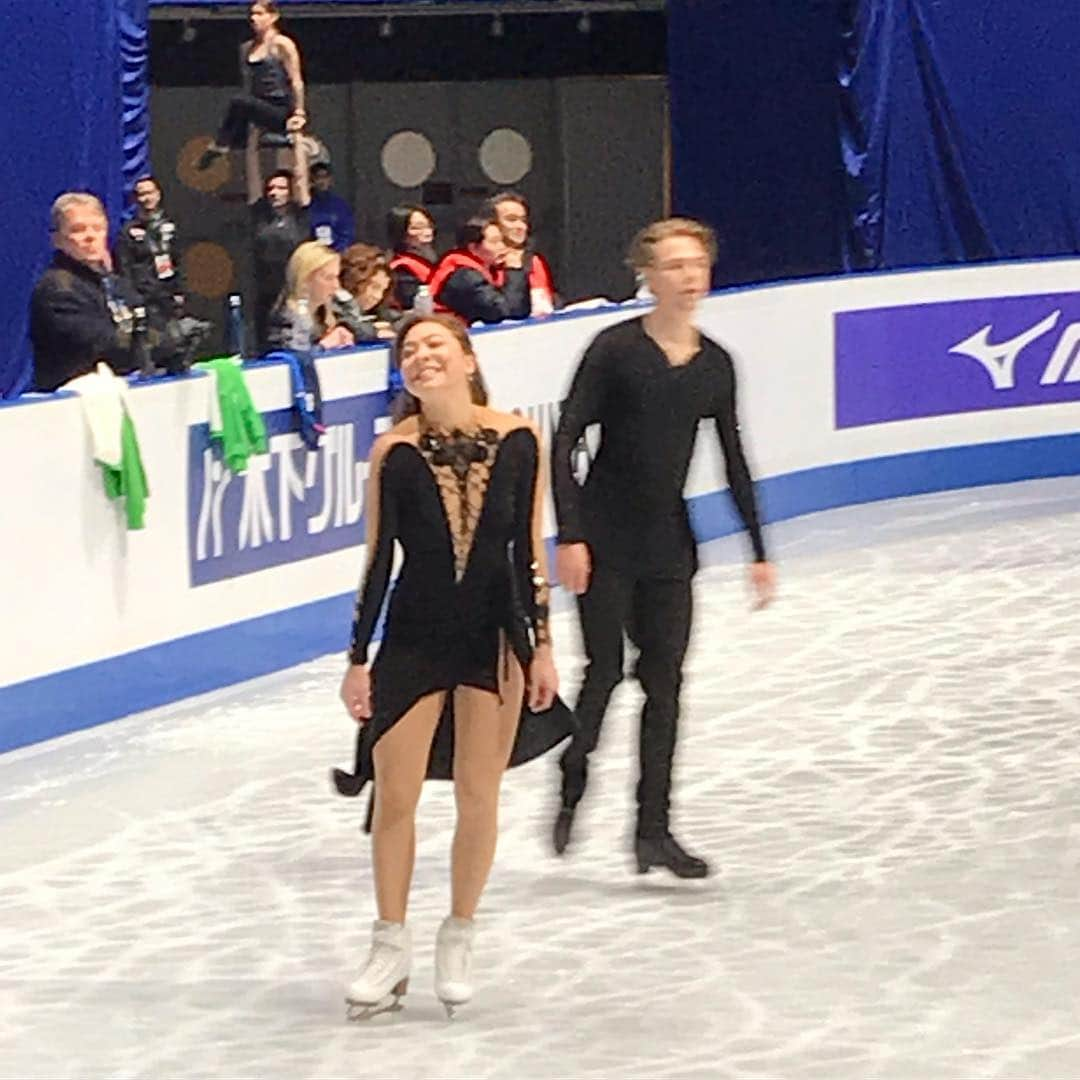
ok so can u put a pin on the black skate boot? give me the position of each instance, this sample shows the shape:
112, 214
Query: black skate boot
664, 850
573, 787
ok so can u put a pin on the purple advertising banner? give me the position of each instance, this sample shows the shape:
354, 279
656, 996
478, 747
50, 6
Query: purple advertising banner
900, 363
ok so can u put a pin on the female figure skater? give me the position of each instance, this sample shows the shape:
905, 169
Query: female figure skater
466, 643
273, 97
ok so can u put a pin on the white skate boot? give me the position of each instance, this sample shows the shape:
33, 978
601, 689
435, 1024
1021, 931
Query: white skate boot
453, 963
385, 975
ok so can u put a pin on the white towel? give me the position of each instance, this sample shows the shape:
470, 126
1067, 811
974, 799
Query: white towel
104, 397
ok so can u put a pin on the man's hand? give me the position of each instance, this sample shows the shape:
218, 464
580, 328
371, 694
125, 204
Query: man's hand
573, 566
356, 692
296, 122
763, 582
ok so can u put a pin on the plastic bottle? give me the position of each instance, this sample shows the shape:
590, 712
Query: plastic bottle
423, 302
235, 331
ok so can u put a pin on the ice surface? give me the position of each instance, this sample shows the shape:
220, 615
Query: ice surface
884, 766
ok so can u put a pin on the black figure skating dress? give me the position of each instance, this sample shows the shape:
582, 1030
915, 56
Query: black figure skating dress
462, 507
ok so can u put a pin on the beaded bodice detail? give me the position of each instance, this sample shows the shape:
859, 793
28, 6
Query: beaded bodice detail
461, 463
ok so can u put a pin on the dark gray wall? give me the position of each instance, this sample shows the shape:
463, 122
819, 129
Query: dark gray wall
599, 149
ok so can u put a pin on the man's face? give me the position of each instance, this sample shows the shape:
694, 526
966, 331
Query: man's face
277, 192
322, 180
680, 272
492, 248
148, 196
84, 235
513, 220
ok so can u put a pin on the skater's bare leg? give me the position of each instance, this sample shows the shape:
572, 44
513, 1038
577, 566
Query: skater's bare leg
401, 758
484, 732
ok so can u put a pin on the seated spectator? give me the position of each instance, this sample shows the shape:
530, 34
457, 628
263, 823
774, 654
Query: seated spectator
472, 282
148, 252
411, 232
81, 312
365, 277
511, 211
280, 222
303, 317
332, 221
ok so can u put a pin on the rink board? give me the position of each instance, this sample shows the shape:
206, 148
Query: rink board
850, 390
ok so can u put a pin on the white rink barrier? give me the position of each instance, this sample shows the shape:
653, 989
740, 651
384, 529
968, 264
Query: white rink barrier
850, 389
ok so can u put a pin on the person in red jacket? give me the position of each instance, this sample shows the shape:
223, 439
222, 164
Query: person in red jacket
411, 232
511, 211
473, 282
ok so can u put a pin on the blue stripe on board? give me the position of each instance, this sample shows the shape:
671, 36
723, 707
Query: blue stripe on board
95, 693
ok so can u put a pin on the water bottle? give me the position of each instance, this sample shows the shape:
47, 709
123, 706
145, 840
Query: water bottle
141, 357
424, 302
235, 331
302, 326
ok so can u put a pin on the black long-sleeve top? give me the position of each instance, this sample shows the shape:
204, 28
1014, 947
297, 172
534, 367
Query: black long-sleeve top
631, 509
78, 316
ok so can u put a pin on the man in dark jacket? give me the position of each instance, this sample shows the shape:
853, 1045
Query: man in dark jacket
479, 281
80, 312
147, 253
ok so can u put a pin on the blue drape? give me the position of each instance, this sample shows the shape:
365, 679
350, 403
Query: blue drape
959, 131
753, 131
75, 118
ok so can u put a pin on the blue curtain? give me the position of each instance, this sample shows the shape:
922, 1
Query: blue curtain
75, 118
959, 131
754, 131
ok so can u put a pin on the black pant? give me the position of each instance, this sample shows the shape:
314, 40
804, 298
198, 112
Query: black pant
656, 614
245, 110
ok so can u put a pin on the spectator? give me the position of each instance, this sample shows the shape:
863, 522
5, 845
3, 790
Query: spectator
473, 283
280, 222
411, 231
511, 211
273, 82
365, 277
305, 304
81, 312
148, 253
332, 221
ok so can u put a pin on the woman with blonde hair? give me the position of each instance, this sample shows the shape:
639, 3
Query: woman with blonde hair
464, 684
305, 306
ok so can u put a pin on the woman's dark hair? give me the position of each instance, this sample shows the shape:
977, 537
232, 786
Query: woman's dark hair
407, 405
271, 6
472, 232
397, 225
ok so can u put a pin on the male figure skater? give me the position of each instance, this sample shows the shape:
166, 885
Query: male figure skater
625, 547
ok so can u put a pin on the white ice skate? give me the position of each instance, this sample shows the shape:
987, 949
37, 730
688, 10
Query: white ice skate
453, 963
385, 977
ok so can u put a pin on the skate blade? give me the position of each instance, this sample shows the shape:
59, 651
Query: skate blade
358, 1011
452, 1007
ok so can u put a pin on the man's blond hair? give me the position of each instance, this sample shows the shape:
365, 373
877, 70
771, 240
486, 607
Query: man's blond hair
68, 201
641, 247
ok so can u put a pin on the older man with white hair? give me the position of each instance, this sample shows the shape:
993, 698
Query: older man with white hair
81, 311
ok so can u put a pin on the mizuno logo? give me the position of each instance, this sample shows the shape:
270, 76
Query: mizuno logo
999, 358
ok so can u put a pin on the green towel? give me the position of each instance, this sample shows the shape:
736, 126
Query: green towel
128, 481
243, 431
